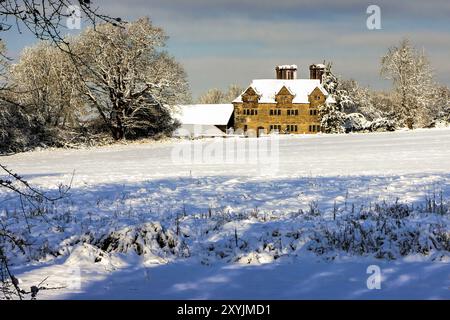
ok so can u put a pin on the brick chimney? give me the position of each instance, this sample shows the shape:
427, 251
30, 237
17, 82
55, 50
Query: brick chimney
286, 72
316, 71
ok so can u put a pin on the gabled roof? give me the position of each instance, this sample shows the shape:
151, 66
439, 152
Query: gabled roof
250, 89
287, 88
300, 88
198, 131
204, 114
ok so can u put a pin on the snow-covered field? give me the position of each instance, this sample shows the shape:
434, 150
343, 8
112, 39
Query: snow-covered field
141, 223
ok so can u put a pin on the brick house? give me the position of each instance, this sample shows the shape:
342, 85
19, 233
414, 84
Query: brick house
284, 105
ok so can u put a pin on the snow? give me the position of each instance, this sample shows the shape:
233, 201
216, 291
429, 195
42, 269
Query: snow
330, 99
204, 114
268, 89
287, 66
137, 192
306, 280
194, 130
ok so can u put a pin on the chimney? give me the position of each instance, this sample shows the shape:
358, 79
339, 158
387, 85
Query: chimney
316, 71
286, 72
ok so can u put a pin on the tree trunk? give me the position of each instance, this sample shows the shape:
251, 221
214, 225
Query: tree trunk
118, 133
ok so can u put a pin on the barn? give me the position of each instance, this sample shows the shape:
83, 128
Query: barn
204, 120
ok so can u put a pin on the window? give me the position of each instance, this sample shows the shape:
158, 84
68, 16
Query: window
276, 112
313, 112
252, 112
289, 112
296, 112
256, 112
271, 113
275, 127
317, 97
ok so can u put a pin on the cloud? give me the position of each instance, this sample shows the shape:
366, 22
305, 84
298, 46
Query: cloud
281, 9
234, 41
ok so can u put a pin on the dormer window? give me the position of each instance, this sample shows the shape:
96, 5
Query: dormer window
284, 97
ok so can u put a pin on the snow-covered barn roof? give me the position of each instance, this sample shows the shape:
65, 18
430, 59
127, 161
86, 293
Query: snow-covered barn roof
204, 114
194, 130
268, 88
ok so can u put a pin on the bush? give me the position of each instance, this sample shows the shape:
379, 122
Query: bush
355, 122
20, 131
382, 124
387, 231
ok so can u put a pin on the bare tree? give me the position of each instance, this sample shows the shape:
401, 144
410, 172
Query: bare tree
4, 65
127, 76
414, 89
46, 18
43, 80
233, 92
217, 96
212, 96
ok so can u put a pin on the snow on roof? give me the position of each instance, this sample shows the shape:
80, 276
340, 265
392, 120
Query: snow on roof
194, 130
287, 66
204, 114
319, 65
268, 88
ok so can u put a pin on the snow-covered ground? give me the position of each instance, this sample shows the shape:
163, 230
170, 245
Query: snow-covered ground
232, 229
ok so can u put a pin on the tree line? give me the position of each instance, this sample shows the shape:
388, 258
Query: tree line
416, 99
114, 81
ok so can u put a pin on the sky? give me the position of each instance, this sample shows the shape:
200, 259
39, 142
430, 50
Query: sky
223, 42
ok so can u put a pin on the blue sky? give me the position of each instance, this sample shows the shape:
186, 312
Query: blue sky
234, 41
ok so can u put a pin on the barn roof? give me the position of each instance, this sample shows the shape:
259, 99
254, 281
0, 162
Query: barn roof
194, 130
268, 88
204, 114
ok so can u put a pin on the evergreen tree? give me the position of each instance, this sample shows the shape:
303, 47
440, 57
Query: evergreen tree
331, 113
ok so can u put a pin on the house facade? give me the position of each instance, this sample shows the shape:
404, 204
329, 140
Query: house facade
285, 105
